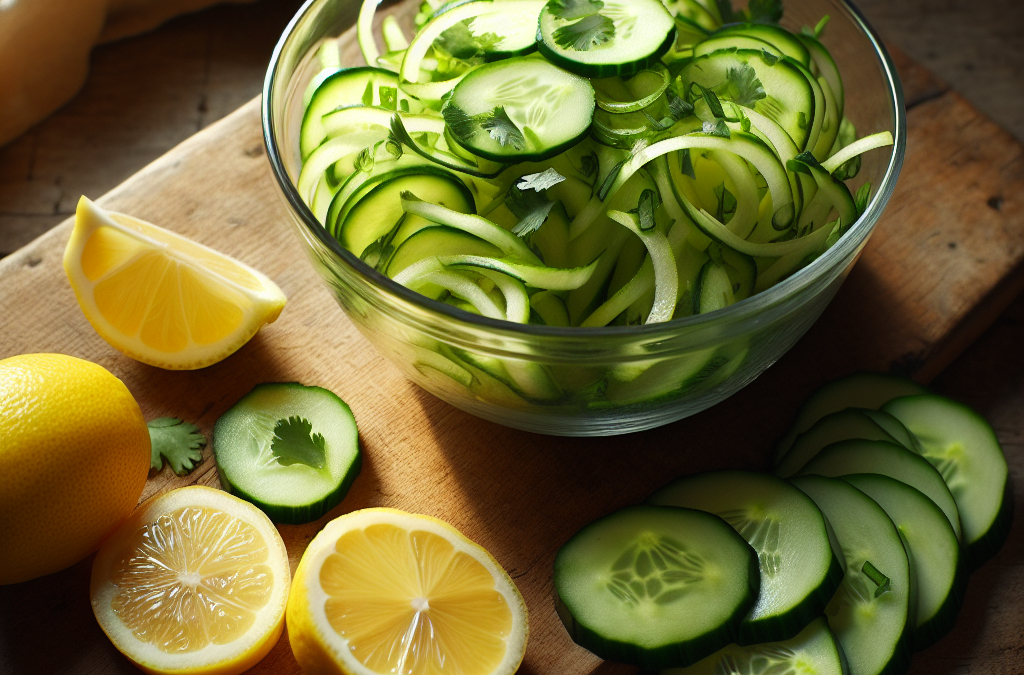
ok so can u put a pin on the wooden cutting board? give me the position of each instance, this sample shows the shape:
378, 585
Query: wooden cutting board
946, 258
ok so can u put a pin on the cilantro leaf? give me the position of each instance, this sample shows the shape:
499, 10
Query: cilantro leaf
540, 181
573, 9
178, 442
602, 191
768, 57
393, 145
502, 129
530, 206
294, 443
590, 31
458, 122
765, 11
678, 108
745, 87
712, 101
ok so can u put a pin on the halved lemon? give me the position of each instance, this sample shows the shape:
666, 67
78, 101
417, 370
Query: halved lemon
195, 581
383, 591
161, 298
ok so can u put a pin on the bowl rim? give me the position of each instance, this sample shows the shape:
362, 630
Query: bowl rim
749, 308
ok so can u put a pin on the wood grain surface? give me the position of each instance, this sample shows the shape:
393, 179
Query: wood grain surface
946, 258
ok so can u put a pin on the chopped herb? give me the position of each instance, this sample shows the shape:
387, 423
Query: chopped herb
367, 98
646, 207
716, 128
686, 164
768, 57
711, 99
726, 202
862, 198
589, 164
882, 582
602, 191
678, 107
848, 169
458, 122
540, 181
590, 31
388, 97
573, 9
178, 442
294, 443
745, 88
502, 129
530, 206
765, 11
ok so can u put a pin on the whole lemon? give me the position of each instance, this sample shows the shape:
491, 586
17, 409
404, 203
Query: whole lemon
74, 457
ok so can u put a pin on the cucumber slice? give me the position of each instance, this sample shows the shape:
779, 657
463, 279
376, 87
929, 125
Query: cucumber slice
375, 210
936, 568
870, 613
860, 390
655, 586
799, 570
290, 449
839, 426
860, 456
349, 86
521, 109
814, 651
616, 37
438, 240
782, 40
962, 446
790, 99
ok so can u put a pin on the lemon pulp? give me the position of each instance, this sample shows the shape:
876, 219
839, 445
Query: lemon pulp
192, 578
408, 602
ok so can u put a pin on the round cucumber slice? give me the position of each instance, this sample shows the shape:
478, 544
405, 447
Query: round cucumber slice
961, 445
290, 449
520, 109
655, 586
601, 39
870, 613
936, 566
814, 651
799, 570
888, 459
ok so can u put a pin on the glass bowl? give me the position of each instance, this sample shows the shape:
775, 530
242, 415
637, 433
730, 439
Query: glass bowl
584, 381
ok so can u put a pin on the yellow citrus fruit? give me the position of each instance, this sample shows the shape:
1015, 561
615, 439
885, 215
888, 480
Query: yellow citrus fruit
195, 581
161, 298
384, 591
74, 457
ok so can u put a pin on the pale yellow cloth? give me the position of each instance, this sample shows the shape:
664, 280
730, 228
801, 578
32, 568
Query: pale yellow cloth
45, 45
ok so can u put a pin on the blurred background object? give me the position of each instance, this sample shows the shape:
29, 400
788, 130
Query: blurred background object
45, 46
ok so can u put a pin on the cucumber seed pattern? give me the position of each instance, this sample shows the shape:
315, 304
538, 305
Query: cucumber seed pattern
655, 569
760, 660
762, 532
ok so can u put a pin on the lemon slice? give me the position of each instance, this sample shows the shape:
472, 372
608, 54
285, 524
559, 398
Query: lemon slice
161, 298
195, 581
383, 591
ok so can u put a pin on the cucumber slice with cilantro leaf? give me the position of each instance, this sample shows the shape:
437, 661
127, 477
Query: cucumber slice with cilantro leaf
290, 449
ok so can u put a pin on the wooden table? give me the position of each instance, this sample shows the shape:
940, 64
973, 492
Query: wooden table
46, 625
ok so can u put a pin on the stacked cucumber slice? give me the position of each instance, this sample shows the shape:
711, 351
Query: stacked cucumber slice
677, 157
863, 540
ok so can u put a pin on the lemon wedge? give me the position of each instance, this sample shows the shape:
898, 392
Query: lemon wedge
195, 581
161, 298
383, 591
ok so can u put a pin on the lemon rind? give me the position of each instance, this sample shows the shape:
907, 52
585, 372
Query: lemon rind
266, 304
309, 596
233, 657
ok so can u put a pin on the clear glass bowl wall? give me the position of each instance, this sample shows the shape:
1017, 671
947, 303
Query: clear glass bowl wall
687, 364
